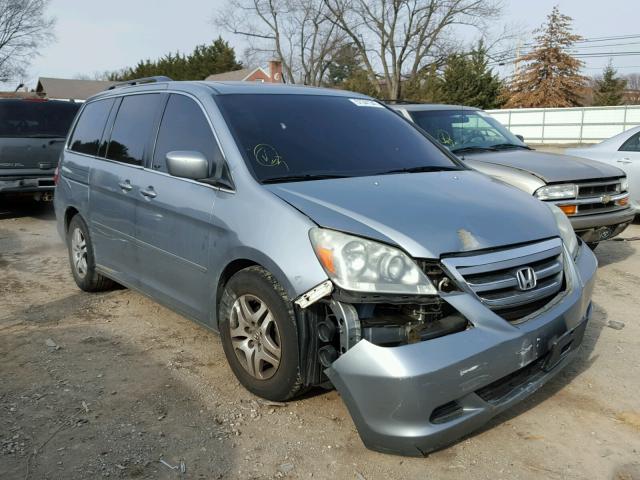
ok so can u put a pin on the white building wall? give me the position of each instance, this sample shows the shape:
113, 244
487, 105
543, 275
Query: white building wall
568, 125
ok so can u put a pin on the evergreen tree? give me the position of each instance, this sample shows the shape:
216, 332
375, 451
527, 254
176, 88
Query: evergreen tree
468, 80
424, 87
344, 63
551, 76
609, 90
345, 71
205, 60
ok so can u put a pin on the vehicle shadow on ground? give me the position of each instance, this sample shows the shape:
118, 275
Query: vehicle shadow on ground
614, 251
583, 361
18, 208
84, 402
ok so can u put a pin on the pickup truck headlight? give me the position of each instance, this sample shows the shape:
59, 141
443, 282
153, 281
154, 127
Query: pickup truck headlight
567, 234
624, 184
361, 265
557, 192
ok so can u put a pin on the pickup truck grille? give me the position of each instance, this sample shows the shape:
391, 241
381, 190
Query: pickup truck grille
493, 277
597, 197
586, 190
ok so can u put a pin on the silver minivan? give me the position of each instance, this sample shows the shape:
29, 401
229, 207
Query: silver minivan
330, 243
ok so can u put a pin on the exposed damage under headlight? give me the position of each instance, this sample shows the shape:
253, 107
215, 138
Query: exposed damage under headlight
417, 373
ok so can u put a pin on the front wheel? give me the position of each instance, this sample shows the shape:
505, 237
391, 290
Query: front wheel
82, 260
259, 334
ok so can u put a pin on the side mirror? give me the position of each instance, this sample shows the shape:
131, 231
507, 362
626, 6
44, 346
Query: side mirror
520, 137
187, 164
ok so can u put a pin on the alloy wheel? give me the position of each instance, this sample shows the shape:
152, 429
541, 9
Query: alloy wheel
255, 337
79, 252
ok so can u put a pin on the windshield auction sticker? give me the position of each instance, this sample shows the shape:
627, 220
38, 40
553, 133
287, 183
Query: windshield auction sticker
363, 102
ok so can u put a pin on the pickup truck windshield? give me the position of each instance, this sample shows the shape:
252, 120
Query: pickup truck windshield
36, 118
312, 137
466, 131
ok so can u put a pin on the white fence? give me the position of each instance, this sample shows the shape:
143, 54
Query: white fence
568, 125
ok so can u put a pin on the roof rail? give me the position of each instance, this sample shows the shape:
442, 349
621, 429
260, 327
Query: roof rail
390, 101
140, 81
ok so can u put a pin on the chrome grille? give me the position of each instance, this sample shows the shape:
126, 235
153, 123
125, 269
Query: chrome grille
597, 197
586, 190
492, 277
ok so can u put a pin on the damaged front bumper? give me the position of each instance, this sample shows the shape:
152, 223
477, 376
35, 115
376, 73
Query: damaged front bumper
419, 397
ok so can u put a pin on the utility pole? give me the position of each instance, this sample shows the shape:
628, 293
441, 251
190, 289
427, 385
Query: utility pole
516, 63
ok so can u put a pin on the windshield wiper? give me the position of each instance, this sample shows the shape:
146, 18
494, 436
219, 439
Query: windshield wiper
473, 149
425, 168
505, 146
302, 178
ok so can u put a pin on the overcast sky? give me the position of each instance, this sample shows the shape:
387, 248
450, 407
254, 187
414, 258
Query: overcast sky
94, 36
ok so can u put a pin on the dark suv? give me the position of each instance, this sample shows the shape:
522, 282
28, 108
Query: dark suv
32, 134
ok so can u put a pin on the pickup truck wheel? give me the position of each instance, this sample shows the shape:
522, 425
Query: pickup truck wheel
82, 260
259, 334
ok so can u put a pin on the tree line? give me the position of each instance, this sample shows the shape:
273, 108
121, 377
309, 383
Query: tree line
390, 49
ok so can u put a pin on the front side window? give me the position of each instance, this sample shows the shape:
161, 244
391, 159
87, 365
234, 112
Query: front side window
465, 129
632, 144
90, 127
36, 118
132, 128
284, 136
184, 127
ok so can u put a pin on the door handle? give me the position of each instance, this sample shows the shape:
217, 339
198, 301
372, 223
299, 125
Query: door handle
624, 160
126, 185
149, 193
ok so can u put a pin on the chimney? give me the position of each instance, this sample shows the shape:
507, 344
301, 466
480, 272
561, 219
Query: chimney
275, 71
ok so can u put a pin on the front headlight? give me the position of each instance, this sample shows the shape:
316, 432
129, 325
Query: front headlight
567, 234
361, 265
557, 192
624, 184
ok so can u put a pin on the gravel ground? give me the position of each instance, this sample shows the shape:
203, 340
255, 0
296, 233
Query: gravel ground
114, 385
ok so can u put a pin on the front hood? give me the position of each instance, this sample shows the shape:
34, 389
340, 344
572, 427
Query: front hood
550, 167
426, 214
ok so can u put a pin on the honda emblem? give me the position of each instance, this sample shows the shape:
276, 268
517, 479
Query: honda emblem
526, 278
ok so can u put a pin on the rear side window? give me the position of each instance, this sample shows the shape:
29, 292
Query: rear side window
632, 144
36, 118
88, 132
132, 128
184, 127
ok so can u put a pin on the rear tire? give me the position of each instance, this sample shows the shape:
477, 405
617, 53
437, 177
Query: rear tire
82, 260
259, 335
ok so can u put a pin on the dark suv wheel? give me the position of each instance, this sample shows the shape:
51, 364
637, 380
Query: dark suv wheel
259, 334
81, 257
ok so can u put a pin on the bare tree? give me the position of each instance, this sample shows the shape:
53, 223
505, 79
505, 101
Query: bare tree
399, 38
633, 81
633, 89
297, 32
24, 26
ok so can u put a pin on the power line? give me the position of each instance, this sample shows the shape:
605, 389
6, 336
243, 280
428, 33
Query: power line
614, 67
586, 40
607, 39
609, 45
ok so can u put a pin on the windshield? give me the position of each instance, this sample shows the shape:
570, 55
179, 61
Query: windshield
461, 130
299, 137
36, 118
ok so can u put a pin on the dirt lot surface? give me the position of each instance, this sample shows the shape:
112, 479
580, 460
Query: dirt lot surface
112, 385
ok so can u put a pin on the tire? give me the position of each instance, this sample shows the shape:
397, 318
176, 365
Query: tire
81, 259
252, 337
593, 245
